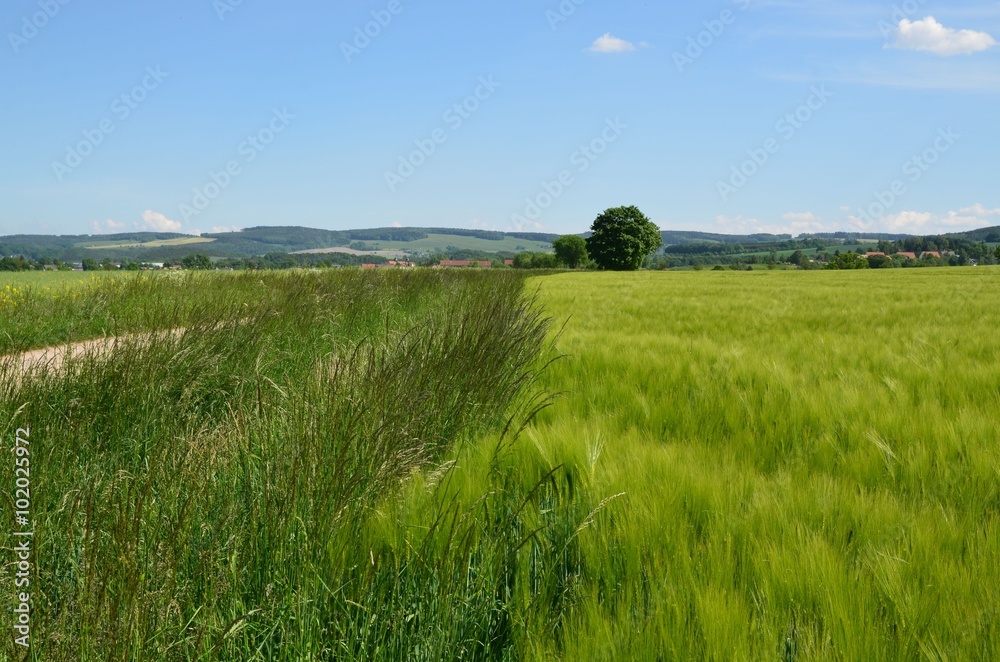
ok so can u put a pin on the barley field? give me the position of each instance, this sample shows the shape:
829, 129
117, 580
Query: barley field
809, 464
438, 465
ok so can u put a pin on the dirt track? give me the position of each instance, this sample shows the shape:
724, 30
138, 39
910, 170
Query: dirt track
53, 358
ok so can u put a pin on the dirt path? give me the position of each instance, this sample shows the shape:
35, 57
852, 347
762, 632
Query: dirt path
53, 358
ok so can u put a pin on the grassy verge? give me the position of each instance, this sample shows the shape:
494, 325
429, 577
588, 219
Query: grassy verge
45, 309
201, 496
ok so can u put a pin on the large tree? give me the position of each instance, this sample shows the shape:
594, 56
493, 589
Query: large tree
200, 262
571, 250
622, 238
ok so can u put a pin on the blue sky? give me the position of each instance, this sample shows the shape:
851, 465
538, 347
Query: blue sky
755, 115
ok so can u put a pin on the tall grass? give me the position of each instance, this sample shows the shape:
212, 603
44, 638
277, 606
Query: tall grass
200, 496
368, 466
810, 464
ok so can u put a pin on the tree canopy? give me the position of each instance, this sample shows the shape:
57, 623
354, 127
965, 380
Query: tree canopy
571, 250
197, 262
536, 261
622, 238
848, 261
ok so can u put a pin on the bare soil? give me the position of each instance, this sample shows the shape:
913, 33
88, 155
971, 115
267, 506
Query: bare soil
53, 358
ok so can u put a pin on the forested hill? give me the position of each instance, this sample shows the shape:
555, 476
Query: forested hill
989, 235
161, 246
258, 241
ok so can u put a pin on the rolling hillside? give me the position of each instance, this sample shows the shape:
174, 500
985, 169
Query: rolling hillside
259, 241
160, 246
990, 235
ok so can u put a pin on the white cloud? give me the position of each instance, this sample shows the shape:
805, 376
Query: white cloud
397, 224
157, 222
220, 229
796, 223
930, 36
106, 227
476, 224
979, 210
914, 222
531, 226
801, 217
908, 221
610, 44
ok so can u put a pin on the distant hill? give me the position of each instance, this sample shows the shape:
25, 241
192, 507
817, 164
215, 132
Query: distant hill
856, 236
675, 238
166, 246
989, 235
258, 241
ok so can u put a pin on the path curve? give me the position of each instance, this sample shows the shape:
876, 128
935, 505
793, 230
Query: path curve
55, 357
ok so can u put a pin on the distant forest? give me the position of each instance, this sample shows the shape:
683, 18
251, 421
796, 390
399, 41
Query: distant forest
273, 247
248, 243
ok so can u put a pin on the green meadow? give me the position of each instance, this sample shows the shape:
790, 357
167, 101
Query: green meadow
183, 241
808, 462
440, 242
42, 279
429, 465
